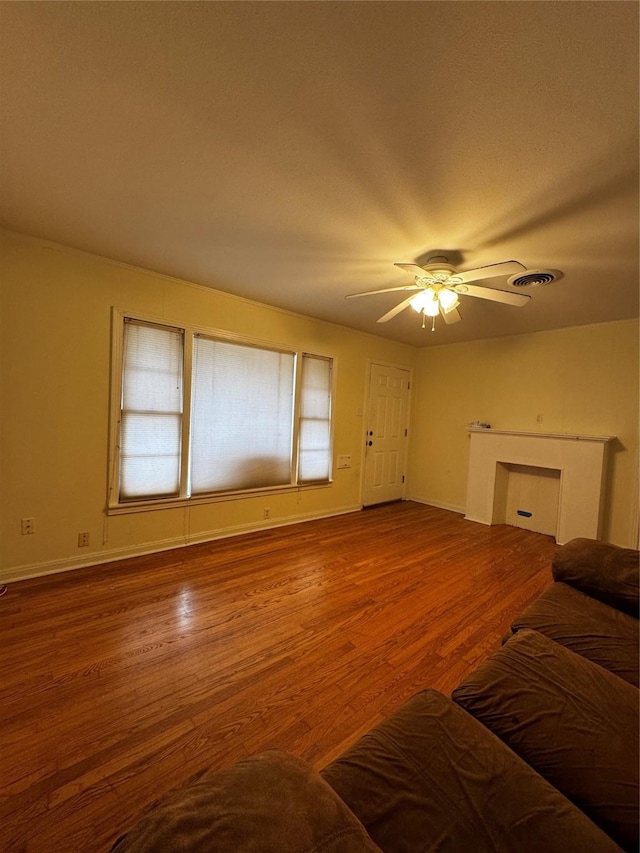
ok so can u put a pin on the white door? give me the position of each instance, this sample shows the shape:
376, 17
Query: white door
386, 434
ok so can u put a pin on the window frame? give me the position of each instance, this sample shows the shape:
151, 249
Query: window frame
131, 322
299, 416
116, 506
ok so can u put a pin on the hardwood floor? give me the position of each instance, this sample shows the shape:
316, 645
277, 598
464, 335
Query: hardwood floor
121, 681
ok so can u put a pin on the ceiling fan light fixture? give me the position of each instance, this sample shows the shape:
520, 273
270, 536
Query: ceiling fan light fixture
431, 309
417, 303
425, 302
448, 300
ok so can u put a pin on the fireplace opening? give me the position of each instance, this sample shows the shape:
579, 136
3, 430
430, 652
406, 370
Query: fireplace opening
527, 496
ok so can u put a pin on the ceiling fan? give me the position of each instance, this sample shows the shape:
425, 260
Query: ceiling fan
438, 285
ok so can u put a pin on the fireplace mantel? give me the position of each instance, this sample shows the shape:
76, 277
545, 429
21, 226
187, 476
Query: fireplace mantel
567, 436
580, 459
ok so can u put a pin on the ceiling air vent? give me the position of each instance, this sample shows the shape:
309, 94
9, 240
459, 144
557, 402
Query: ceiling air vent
534, 278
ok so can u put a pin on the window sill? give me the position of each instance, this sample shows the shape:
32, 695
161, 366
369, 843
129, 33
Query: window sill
197, 500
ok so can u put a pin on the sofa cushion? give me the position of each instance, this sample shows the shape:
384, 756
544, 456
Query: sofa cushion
585, 625
606, 572
571, 720
431, 778
271, 803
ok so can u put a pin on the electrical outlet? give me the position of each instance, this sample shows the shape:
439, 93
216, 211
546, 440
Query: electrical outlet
344, 460
83, 539
27, 526
266, 513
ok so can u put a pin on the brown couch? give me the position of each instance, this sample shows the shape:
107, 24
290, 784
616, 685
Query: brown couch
536, 751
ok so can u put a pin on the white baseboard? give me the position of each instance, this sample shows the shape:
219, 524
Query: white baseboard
438, 504
478, 520
51, 567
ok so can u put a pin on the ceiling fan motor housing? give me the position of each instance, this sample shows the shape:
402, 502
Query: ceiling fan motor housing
439, 270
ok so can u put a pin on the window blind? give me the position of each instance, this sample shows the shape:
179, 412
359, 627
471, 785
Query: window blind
151, 411
241, 417
314, 441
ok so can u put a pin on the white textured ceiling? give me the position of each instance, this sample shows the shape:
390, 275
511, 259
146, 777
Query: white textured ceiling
291, 152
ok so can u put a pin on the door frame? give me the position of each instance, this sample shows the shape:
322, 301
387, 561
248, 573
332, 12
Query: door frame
363, 431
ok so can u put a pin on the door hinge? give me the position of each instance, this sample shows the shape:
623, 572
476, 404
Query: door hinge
403, 478
406, 432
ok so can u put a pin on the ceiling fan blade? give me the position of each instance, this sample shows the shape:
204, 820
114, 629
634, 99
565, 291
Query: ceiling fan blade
452, 316
517, 299
490, 271
414, 269
383, 290
394, 311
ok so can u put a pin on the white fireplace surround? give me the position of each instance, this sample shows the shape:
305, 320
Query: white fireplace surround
580, 459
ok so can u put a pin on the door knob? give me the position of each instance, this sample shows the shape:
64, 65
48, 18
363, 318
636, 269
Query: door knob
369, 443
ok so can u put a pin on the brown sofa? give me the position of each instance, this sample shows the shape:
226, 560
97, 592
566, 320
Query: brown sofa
536, 751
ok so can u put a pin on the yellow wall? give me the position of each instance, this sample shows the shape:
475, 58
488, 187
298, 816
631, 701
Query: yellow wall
578, 380
55, 311
56, 340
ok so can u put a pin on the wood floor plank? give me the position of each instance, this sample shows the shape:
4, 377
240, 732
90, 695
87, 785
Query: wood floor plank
121, 681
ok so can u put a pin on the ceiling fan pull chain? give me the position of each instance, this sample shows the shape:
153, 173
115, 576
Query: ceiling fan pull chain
423, 319
433, 324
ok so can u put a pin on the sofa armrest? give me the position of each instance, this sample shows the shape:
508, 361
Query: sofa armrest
268, 803
606, 572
